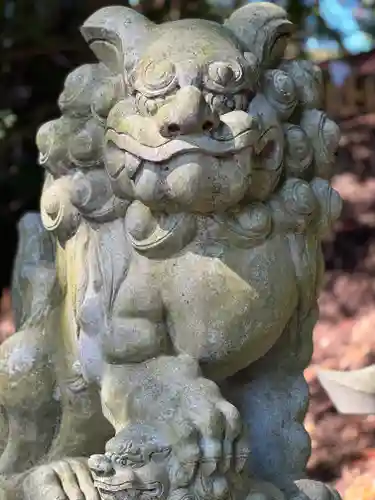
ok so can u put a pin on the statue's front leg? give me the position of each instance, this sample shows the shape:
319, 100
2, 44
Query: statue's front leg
272, 397
172, 391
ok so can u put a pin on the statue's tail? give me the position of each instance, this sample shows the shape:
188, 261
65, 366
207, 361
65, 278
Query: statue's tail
28, 412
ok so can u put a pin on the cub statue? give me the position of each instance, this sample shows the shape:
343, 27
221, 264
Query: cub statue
187, 192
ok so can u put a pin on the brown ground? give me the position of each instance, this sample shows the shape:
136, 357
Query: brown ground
343, 446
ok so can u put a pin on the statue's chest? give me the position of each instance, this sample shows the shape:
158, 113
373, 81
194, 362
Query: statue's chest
222, 300
213, 272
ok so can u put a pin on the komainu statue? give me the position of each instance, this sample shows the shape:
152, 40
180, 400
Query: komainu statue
186, 192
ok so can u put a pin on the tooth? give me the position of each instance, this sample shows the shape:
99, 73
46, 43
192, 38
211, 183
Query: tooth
263, 141
132, 163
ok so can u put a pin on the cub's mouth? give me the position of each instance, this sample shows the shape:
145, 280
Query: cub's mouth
129, 489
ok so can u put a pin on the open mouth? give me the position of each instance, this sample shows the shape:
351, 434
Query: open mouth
201, 144
136, 154
130, 155
139, 137
129, 489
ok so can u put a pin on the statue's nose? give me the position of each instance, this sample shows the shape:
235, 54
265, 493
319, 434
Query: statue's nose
101, 465
187, 113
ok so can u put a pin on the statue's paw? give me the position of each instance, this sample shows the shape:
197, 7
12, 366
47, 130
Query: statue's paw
217, 424
314, 490
68, 479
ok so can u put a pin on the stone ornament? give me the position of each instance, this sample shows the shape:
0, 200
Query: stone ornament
142, 461
186, 192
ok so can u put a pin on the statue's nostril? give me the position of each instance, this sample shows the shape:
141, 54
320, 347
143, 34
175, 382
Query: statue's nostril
208, 126
173, 129
100, 465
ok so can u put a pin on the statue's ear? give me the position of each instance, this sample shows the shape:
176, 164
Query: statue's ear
263, 29
117, 36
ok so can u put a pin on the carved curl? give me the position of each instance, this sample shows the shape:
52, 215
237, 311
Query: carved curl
263, 29
79, 88
267, 167
85, 147
51, 140
106, 95
299, 153
330, 205
308, 81
58, 213
158, 235
324, 135
117, 35
280, 92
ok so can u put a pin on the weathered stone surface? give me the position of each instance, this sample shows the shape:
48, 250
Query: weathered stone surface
187, 189
34, 263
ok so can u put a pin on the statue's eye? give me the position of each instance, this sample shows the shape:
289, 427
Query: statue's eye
222, 75
120, 460
135, 465
225, 103
156, 78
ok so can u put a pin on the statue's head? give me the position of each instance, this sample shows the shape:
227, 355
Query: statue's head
145, 461
189, 145
149, 461
183, 137
135, 465
187, 117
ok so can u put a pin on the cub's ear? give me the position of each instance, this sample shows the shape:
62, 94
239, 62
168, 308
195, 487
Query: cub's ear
263, 29
117, 35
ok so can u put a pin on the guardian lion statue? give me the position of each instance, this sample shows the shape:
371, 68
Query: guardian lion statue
186, 192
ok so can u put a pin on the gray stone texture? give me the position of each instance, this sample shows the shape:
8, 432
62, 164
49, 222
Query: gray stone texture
187, 192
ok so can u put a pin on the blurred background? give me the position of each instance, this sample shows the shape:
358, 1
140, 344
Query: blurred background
40, 43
